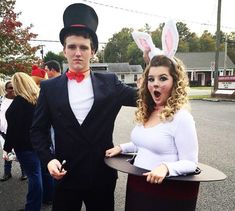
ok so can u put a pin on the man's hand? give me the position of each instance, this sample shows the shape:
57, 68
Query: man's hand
146, 56
113, 151
4, 155
54, 167
157, 175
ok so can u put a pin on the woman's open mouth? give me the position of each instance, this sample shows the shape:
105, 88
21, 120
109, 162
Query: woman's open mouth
157, 93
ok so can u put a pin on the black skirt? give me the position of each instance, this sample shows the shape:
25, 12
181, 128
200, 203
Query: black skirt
168, 196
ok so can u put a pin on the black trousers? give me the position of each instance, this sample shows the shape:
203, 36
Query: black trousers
101, 198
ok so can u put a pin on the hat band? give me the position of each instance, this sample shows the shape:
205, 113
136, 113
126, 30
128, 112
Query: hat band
78, 25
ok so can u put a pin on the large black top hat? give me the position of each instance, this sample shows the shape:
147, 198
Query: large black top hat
80, 17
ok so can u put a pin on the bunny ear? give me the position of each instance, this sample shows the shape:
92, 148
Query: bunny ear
145, 42
170, 39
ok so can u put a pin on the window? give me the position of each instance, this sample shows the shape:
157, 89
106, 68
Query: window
135, 77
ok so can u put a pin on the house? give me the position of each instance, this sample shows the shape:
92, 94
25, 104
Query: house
200, 66
127, 73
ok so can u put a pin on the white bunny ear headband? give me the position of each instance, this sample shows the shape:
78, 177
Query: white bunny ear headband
170, 40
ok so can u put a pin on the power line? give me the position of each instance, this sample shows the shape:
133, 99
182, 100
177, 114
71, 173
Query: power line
154, 15
101, 43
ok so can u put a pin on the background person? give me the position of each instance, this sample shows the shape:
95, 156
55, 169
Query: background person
165, 140
38, 74
52, 68
19, 119
5, 102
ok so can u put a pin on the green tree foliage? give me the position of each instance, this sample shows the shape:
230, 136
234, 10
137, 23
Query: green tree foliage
52, 56
231, 46
116, 48
194, 43
16, 54
134, 54
121, 47
207, 42
184, 32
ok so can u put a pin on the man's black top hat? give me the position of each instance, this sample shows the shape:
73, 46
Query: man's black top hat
80, 17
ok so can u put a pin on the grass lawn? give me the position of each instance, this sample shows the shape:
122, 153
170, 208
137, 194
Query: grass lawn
198, 97
202, 87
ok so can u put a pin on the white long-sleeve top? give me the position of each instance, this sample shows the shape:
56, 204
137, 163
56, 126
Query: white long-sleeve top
6, 102
173, 143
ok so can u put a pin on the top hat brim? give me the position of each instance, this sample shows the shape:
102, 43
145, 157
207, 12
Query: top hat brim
74, 29
207, 174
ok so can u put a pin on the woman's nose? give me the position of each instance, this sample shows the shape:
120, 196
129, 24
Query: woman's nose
156, 83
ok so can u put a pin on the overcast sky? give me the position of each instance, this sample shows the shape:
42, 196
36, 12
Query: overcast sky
199, 15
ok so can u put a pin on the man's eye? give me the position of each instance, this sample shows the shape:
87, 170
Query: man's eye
84, 48
72, 47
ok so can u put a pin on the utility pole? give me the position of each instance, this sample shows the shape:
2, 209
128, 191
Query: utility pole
41, 51
217, 47
225, 54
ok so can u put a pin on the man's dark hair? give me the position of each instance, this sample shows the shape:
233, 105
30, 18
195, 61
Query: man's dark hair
53, 64
82, 33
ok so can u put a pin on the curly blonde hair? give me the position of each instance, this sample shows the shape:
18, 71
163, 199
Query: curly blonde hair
178, 98
25, 87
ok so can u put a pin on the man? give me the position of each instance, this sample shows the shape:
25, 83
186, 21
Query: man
81, 106
5, 102
53, 68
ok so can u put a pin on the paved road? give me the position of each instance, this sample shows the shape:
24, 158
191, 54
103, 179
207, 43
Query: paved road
215, 125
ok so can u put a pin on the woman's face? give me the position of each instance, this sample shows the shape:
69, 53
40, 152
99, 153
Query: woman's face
9, 91
160, 84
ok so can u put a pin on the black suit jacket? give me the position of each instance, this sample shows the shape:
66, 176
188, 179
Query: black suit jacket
82, 146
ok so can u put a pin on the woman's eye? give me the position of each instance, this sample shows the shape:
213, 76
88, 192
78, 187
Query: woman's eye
150, 79
163, 78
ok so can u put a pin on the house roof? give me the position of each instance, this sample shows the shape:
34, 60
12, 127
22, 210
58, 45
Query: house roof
117, 67
203, 60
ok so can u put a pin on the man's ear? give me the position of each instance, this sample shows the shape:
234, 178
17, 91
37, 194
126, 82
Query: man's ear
92, 53
64, 51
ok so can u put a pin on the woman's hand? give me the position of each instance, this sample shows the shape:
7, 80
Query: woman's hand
113, 151
54, 167
157, 175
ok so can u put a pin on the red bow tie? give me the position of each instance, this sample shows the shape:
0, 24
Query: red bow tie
78, 76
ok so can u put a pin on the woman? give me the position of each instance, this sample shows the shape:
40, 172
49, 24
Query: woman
19, 118
5, 102
165, 140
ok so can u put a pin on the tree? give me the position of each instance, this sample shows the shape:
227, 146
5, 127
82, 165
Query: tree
135, 55
52, 56
207, 42
194, 43
184, 32
116, 48
231, 46
16, 54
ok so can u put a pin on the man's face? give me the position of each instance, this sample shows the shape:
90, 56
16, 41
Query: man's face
50, 73
78, 52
